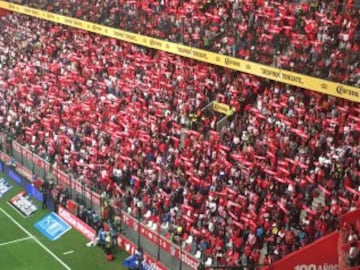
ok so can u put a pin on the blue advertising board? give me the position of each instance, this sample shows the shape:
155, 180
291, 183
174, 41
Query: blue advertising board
52, 226
4, 187
29, 188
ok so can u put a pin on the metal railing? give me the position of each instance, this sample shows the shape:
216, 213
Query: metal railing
153, 242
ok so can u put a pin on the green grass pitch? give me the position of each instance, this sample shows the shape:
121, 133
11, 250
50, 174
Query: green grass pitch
23, 247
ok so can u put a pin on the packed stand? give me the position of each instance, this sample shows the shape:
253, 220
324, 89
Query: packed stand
119, 117
320, 38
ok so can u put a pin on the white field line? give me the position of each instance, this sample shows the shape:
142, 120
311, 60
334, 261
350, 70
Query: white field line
36, 240
68, 252
15, 241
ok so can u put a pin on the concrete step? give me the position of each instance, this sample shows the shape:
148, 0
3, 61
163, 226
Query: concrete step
320, 199
263, 252
302, 215
314, 204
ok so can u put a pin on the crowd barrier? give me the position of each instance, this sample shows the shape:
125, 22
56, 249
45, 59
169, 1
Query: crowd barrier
275, 74
155, 244
43, 169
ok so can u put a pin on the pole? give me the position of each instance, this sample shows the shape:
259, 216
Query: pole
138, 242
70, 183
180, 267
32, 160
101, 203
158, 242
22, 155
183, 28
83, 193
91, 197
202, 261
44, 174
58, 163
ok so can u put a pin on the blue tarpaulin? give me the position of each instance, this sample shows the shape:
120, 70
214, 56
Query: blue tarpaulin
132, 262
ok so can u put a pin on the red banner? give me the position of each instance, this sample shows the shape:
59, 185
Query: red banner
320, 255
3, 12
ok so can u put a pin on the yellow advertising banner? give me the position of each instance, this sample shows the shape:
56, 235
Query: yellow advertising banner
222, 108
292, 78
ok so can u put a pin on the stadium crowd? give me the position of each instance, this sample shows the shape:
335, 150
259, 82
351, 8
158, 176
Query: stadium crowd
129, 121
320, 38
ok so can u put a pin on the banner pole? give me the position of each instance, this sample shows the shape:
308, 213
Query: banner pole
138, 242
158, 242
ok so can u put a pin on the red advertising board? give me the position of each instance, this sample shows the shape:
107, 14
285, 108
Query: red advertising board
76, 223
320, 255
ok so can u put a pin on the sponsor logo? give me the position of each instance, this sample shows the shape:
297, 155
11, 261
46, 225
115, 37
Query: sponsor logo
136, 227
185, 51
200, 54
4, 187
222, 108
231, 62
23, 204
324, 86
52, 226
155, 43
172, 251
77, 224
341, 90
324, 266
189, 261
